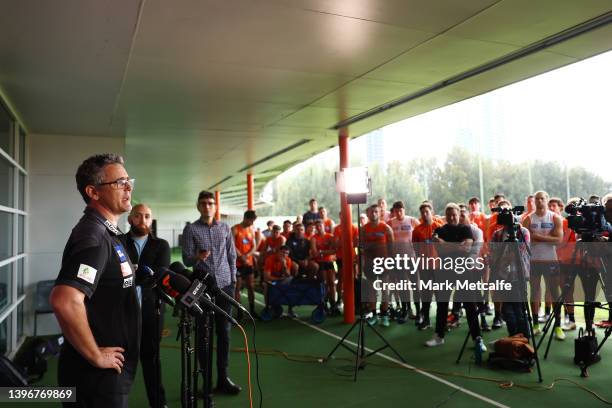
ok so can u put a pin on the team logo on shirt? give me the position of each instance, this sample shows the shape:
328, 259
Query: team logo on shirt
128, 282
120, 253
111, 227
87, 273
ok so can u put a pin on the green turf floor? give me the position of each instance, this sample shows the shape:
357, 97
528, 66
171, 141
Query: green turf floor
297, 379
292, 377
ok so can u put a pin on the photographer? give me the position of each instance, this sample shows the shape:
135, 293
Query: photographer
504, 265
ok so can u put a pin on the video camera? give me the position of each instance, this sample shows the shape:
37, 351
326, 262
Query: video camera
508, 217
587, 219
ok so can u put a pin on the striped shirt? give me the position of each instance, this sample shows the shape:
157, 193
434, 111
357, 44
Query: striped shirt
217, 239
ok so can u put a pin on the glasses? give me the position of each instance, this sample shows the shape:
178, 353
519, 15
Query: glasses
120, 184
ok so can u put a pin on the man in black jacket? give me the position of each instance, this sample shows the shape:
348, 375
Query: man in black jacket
144, 249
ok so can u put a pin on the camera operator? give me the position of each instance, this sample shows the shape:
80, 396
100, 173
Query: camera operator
146, 250
508, 268
546, 229
94, 298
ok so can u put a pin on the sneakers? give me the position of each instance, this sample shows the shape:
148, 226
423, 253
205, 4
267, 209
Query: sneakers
543, 318
435, 341
292, 314
484, 326
372, 320
452, 320
384, 320
536, 330
569, 326
424, 325
559, 334
497, 323
401, 318
479, 349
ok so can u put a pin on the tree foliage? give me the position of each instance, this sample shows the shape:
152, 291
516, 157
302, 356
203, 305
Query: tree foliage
456, 179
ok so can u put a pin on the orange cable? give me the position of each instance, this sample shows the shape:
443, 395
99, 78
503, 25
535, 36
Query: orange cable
246, 345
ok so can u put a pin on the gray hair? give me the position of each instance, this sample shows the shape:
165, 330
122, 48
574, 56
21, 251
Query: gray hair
91, 171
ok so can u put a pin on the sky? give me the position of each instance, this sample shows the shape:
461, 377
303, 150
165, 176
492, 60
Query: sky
564, 115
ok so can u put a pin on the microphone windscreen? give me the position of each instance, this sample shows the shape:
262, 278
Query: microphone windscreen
179, 268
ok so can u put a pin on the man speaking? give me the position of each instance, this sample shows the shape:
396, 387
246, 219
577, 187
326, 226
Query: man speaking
94, 298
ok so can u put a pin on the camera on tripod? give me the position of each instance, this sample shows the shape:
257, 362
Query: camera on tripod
508, 217
587, 219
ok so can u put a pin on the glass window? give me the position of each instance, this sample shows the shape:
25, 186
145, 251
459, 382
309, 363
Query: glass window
20, 274
19, 321
6, 183
21, 196
5, 335
22, 146
21, 232
6, 235
6, 134
5, 286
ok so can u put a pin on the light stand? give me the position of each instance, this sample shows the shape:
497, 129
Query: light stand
357, 186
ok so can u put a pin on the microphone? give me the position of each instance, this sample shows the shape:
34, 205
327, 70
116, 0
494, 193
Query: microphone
216, 291
146, 277
190, 295
179, 268
211, 283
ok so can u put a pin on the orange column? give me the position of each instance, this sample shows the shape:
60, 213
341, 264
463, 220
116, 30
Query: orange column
250, 189
348, 284
218, 206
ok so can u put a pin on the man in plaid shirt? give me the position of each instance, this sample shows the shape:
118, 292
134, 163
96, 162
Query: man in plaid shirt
208, 247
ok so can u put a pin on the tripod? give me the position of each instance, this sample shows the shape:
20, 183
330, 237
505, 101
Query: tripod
582, 251
361, 323
515, 238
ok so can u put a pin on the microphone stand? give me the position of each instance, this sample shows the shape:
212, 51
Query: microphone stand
204, 347
187, 394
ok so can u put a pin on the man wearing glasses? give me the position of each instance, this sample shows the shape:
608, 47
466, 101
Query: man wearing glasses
94, 298
208, 246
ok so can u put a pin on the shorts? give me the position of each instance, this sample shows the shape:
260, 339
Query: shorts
545, 269
326, 266
244, 271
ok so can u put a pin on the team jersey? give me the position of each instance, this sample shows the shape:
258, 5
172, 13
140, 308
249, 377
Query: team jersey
328, 224
423, 231
422, 234
545, 224
274, 266
272, 244
480, 220
338, 237
566, 250
244, 241
324, 242
375, 239
402, 229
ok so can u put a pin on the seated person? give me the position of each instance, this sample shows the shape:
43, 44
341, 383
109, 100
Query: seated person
279, 269
299, 252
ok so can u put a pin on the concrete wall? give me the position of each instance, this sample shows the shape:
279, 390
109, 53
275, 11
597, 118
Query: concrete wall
54, 207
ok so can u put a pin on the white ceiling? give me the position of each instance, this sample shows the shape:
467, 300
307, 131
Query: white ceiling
201, 89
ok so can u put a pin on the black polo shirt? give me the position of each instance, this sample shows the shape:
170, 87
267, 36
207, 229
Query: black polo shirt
96, 263
299, 248
454, 233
